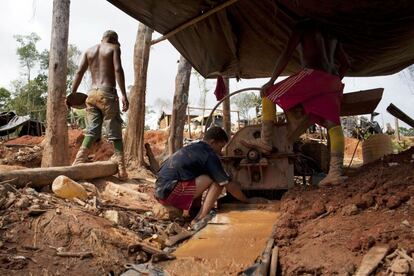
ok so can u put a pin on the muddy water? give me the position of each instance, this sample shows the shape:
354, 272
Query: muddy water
230, 243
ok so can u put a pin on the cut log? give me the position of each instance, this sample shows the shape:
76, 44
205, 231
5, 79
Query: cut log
40, 177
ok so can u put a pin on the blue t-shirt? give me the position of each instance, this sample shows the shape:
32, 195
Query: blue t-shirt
188, 163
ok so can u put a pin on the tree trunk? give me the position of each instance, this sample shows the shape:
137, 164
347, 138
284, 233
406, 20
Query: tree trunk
134, 136
56, 148
178, 118
226, 110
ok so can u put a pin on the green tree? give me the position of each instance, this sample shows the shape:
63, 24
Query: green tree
406, 131
5, 97
245, 102
27, 52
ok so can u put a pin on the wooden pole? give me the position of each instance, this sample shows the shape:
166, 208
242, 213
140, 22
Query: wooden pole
397, 129
182, 85
189, 122
226, 110
134, 136
193, 21
56, 149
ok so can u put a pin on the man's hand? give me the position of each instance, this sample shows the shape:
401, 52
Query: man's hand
125, 104
264, 88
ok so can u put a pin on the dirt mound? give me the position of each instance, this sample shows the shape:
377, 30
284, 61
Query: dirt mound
25, 140
26, 150
37, 230
326, 231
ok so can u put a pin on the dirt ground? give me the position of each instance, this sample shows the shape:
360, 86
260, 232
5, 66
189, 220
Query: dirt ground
321, 231
327, 231
27, 150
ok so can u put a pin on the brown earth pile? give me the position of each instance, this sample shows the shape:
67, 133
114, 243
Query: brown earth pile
37, 228
327, 231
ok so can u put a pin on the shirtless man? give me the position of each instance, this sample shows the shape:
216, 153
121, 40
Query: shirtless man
316, 90
104, 63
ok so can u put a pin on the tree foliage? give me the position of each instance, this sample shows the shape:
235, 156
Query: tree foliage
5, 97
406, 131
245, 102
28, 93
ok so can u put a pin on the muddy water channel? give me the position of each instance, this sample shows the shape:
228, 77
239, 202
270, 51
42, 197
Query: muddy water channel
231, 242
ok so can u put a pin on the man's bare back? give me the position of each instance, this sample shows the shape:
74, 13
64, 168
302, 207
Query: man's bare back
104, 62
100, 59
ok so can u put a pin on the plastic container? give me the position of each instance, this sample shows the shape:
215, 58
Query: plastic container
65, 187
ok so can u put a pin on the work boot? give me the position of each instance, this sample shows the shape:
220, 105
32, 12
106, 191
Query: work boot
264, 143
81, 156
119, 159
335, 175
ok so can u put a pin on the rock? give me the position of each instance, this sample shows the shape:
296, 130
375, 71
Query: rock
65, 187
350, 210
117, 217
166, 212
393, 202
22, 203
173, 228
3, 192
401, 266
406, 223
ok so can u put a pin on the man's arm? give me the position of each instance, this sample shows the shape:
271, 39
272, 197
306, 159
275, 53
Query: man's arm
283, 59
83, 66
120, 77
342, 57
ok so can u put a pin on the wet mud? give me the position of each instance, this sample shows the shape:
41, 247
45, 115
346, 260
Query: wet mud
230, 243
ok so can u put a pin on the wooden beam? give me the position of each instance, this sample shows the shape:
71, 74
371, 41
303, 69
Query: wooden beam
396, 112
40, 177
193, 21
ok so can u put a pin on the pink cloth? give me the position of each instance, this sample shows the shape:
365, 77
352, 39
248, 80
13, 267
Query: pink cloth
182, 196
221, 89
319, 93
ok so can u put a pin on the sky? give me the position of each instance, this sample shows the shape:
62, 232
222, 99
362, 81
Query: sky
90, 18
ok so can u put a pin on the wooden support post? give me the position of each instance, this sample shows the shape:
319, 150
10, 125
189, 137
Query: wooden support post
182, 84
397, 129
226, 110
56, 149
189, 122
134, 136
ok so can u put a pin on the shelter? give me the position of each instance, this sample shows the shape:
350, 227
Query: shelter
10, 122
243, 38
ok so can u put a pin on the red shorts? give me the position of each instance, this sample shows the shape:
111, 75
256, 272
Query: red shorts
182, 196
319, 93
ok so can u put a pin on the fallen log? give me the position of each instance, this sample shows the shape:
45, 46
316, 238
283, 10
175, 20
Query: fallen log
40, 177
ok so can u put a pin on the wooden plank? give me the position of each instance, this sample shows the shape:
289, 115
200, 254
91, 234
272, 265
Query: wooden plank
361, 102
396, 112
274, 261
371, 260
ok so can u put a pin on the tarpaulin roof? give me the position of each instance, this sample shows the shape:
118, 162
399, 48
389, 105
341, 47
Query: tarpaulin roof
245, 38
